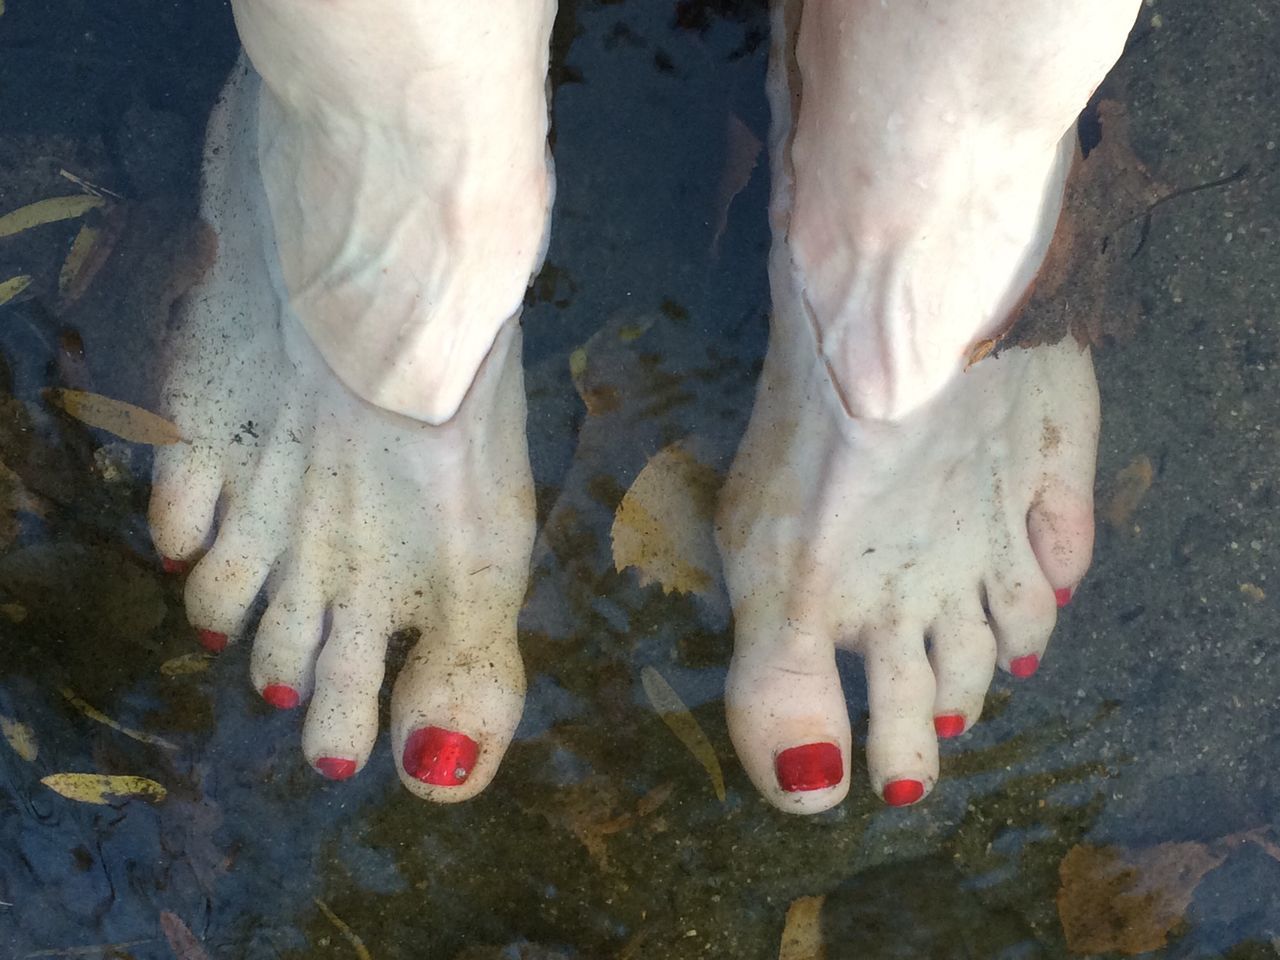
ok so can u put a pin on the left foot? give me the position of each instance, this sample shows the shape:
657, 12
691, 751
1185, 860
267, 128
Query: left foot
884, 499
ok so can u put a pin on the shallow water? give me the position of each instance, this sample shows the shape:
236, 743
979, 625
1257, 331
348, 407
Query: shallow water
1131, 787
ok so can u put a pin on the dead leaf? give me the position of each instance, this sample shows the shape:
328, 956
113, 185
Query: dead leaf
47, 211
654, 799
102, 788
13, 612
362, 952
1127, 490
182, 941
1253, 592
95, 714
1112, 899
20, 736
664, 525
186, 664
12, 287
89, 252
802, 931
742, 149
682, 723
115, 416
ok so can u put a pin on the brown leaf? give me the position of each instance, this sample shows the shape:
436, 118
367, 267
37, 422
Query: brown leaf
1112, 899
802, 932
1127, 491
115, 416
182, 941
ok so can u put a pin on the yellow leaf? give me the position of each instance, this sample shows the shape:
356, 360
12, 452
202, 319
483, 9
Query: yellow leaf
186, 664
20, 736
802, 932
361, 951
1130, 486
47, 211
12, 287
1253, 592
115, 416
83, 261
664, 524
682, 723
93, 713
101, 788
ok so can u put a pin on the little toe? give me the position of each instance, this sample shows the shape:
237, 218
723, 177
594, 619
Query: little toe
963, 655
184, 496
342, 718
787, 717
902, 747
454, 710
1060, 528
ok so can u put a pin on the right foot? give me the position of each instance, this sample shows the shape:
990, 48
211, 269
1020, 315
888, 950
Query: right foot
359, 521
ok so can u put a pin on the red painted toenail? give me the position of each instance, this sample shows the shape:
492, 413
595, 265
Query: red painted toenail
439, 757
280, 696
336, 768
169, 565
899, 793
212, 641
1024, 666
1062, 595
813, 766
949, 725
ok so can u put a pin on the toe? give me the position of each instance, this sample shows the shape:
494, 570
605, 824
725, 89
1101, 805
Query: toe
454, 710
184, 496
787, 717
1023, 610
342, 719
963, 655
902, 748
286, 645
1060, 528
225, 582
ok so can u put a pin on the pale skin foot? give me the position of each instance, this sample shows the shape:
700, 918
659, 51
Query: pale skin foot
884, 500
358, 520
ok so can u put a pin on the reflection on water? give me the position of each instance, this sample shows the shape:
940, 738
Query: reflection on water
1122, 801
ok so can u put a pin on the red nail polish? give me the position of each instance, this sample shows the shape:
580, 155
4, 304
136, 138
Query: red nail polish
1024, 666
899, 793
439, 757
212, 641
280, 696
948, 725
1062, 595
169, 565
336, 768
813, 766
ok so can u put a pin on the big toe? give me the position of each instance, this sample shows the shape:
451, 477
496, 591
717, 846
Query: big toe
787, 719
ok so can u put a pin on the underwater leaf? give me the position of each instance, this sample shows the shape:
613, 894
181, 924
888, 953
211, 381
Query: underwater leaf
361, 951
664, 525
742, 153
1253, 592
186, 664
20, 736
182, 941
102, 788
95, 714
13, 612
1113, 899
1127, 490
47, 211
802, 932
682, 723
12, 287
89, 251
115, 416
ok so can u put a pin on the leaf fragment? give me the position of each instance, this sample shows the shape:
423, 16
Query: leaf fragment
86, 257
1128, 490
182, 941
20, 737
115, 416
93, 713
682, 723
186, 664
13, 287
802, 931
103, 788
45, 211
362, 952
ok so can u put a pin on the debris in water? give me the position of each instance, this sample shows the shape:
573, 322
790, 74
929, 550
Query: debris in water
115, 416
682, 723
102, 788
47, 211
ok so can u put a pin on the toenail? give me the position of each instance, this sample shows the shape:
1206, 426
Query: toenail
169, 565
336, 768
1062, 595
212, 641
280, 696
899, 793
813, 766
439, 757
1024, 666
949, 725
